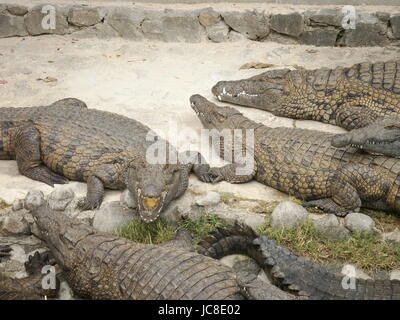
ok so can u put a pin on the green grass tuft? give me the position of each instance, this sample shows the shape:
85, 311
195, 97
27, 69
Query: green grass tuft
160, 231
366, 251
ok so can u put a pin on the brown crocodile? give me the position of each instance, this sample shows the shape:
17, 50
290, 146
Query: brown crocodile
303, 163
352, 98
103, 266
66, 140
294, 274
29, 288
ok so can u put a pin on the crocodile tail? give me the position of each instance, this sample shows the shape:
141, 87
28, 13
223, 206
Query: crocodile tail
235, 239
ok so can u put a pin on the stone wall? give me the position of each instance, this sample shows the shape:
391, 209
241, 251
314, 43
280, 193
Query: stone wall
312, 26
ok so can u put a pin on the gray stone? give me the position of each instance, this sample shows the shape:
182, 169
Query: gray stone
359, 222
18, 204
208, 198
326, 17
209, 17
395, 23
393, 237
172, 26
17, 10
334, 233
326, 220
218, 32
365, 35
60, 198
34, 19
84, 16
383, 16
253, 221
320, 37
247, 265
235, 36
253, 24
11, 26
14, 224
288, 214
110, 216
127, 200
126, 22
395, 275
3, 8
100, 31
291, 24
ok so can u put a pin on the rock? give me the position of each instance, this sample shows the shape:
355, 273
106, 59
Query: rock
359, 222
334, 233
291, 24
395, 23
253, 221
98, 31
126, 22
288, 214
218, 32
173, 26
395, 275
86, 216
252, 24
15, 224
247, 265
110, 216
209, 17
235, 36
326, 220
17, 10
393, 237
182, 207
84, 16
34, 19
11, 26
60, 198
320, 37
65, 292
365, 35
127, 200
209, 198
326, 17
18, 204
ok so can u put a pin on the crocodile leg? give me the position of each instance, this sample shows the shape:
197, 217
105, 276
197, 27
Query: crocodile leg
27, 153
94, 195
354, 115
351, 186
231, 173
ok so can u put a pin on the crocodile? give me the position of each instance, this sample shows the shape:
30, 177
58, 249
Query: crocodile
294, 275
104, 266
302, 163
67, 140
352, 98
29, 288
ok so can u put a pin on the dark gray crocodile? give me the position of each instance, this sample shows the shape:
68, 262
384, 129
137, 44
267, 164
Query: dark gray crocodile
66, 140
294, 274
103, 266
303, 163
29, 288
351, 98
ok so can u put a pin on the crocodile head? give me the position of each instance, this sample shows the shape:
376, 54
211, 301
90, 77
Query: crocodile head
211, 115
153, 187
60, 232
381, 137
265, 91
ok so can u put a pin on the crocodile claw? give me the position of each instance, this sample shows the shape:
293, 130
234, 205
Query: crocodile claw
37, 261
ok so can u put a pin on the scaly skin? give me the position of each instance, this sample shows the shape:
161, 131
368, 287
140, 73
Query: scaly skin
303, 163
103, 266
66, 140
351, 98
29, 288
293, 274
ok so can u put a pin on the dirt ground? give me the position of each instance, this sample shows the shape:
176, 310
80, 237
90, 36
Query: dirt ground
151, 82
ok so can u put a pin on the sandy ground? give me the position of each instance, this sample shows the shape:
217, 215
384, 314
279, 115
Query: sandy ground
151, 82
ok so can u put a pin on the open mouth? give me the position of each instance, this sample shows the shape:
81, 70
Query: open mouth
150, 207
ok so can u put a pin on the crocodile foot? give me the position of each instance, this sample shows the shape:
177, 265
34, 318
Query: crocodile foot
207, 174
5, 251
37, 261
327, 205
